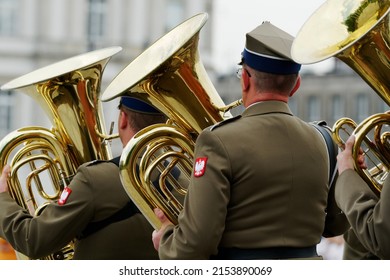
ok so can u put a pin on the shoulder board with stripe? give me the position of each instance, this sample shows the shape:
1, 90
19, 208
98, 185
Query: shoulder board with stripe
224, 122
97, 161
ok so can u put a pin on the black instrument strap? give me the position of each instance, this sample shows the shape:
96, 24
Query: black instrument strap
321, 126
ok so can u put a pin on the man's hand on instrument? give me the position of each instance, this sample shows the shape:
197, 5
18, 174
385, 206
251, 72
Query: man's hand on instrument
3, 179
157, 234
345, 159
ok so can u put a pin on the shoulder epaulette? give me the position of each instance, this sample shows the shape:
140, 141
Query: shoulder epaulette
224, 122
97, 161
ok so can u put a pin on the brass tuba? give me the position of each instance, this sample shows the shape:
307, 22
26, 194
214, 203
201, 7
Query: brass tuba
157, 163
356, 32
43, 160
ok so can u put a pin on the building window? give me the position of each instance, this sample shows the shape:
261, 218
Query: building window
314, 109
96, 20
5, 113
337, 108
174, 14
362, 107
8, 17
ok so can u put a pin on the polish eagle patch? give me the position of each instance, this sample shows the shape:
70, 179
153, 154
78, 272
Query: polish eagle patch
64, 196
200, 166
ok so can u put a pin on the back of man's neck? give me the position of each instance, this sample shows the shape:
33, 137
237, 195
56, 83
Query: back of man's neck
269, 97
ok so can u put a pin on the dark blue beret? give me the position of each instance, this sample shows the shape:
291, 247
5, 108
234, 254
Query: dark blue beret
137, 105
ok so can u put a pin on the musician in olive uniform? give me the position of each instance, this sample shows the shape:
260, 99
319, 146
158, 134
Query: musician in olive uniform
259, 187
366, 212
94, 209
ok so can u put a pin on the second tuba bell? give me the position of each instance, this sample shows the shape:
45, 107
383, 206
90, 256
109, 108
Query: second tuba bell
169, 76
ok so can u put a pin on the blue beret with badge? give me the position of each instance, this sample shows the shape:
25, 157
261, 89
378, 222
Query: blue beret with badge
268, 49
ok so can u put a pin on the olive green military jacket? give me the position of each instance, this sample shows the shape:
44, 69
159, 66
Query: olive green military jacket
96, 194
353, 248
260, 180
366, 213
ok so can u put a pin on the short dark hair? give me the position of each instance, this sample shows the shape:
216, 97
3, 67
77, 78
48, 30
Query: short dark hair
139, 120
282, 84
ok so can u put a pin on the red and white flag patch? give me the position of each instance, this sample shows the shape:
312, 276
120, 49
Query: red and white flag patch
200, 166
64, 196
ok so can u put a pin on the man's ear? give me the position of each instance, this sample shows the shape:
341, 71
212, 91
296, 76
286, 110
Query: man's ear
245, 81
122, 120
296, 87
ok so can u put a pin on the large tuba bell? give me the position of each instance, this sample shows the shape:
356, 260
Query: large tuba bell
43, 160
356, 32
156, 164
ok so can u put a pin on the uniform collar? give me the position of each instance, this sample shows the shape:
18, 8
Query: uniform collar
266, 107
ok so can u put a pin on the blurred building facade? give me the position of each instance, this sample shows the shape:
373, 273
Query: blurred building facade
35, 33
